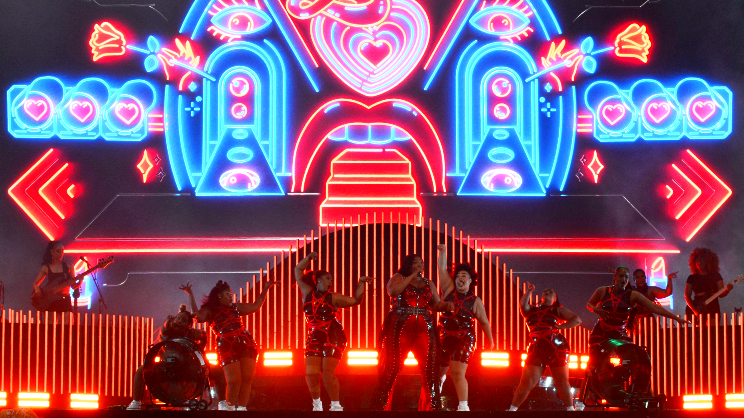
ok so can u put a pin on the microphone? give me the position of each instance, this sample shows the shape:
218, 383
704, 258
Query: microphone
82, 258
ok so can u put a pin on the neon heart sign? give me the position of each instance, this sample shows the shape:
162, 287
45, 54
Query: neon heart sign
703, 109
38, 109
658, 111
612, 114
127, 112
376, 58
81, 110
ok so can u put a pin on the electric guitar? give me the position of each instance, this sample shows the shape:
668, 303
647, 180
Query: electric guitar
43, 298
701, 304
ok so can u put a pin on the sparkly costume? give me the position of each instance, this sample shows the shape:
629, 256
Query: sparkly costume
325, 334
614, 325
409, 326
233, 340
457, 329
547, 347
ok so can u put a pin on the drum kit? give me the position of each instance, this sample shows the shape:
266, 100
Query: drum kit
176, 373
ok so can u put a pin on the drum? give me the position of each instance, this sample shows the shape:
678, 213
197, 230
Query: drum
619, 372
176, 371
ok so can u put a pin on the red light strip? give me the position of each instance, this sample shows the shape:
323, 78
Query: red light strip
548, 245
693, 198
43, 190
28, 205
176, 245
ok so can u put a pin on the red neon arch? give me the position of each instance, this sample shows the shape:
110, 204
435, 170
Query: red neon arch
313, 137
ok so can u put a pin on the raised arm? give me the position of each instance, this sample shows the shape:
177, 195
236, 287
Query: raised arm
397, 284
659, 293
594, 300
480, 315
639, 299
446, 285
572, 320
524, 302
249, 308
341, 301
299, 271
192, 300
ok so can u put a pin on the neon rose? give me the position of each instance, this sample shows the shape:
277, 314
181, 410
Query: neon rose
633, 42
106, 41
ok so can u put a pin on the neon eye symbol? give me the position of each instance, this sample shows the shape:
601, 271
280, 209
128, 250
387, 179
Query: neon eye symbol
235, 21
504, 21
239, 86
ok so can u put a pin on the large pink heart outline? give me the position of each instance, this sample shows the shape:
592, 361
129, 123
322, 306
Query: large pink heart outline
658, 111
37, 109
127, 112
703, 109
78, 110
613, 113
405, 30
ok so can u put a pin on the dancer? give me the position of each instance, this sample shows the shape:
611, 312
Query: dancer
235, 346
326, 341
409, 326
614, 304
547, 346
457, 329
704, 281
179, 326
652, 293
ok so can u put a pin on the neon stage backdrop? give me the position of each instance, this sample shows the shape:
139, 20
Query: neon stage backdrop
251, 122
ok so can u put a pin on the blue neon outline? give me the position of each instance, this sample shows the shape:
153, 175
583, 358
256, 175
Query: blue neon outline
573, 140
451, 43
258, 12
457, 114
552, 16
298, 55
490, 9
168, 136
200, 22
129, 134
282, 126
539, 20
560, 137
331, 107
183, 145
402, 106
193, 12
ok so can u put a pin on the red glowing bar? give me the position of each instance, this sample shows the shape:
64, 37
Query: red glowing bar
592, 246
180, 245
698, 402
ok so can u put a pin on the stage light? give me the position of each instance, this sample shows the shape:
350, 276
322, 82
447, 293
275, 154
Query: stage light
524, 357
212, 358
157, 359
83, 401
584, 361
615, 361
362, 358
573, 362
3, 399
735, 400
697, 402
499, 359
410, 360
278, 358
33, 400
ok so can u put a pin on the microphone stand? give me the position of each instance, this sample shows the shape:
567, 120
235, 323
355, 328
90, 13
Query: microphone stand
95, 281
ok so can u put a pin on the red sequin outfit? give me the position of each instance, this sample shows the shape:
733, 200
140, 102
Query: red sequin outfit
548, 347
233, 340
325, 334
409, 326
613, 325
457, 329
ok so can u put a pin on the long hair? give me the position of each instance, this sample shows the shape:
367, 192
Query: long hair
710, 258
467, 268
406, 266
47, 257
211, 301
173, 329
311, 277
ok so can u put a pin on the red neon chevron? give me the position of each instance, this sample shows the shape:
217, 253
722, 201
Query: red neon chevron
690, 192
714, 194
37, 192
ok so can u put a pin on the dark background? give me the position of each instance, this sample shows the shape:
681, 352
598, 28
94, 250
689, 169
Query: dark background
690, 38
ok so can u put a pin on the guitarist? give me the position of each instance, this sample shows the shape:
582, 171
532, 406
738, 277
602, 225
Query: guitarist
704, 281
59, 275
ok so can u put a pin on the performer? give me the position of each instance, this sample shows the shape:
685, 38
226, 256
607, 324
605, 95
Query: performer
704, 281
409, 326
179, 326
235, 346
613, 304
326, 341
55, 295
457, 329
651, 293
547, 346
